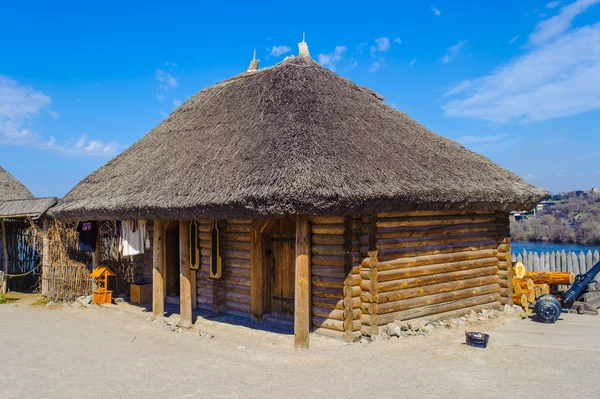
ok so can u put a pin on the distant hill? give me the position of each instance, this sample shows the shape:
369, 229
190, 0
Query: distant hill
572, 217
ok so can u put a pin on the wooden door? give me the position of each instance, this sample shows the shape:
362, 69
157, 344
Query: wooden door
283, 255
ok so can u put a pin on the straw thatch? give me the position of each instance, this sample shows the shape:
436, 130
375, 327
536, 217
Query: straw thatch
11, 188
26, 208
291, 138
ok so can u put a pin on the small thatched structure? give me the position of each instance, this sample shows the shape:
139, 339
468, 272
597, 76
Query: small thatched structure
19, 255
11, 188
296, 152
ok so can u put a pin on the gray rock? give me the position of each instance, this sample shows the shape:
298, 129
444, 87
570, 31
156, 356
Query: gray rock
376, 339
393, 330
483, 318
472, 315
51, 303
364, 340
485, 313
86, 300
517, 308
384, 335
509, 309
403, 325
463, 318
414, 325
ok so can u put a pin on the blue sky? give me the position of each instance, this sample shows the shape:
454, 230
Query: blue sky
517, 81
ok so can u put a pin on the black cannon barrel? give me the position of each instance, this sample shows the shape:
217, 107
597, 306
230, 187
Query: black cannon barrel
579, 286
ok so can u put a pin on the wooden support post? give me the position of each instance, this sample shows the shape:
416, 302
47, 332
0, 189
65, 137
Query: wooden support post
158, 269
4, 283
97, 256
302, 286
185, 285
4, 248
45, 255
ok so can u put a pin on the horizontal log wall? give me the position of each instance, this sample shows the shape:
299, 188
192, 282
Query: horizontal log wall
236, 266
504, 258
230, 293
142, 264
335, 298
428, 264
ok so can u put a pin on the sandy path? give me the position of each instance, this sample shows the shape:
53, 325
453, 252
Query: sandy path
78, 352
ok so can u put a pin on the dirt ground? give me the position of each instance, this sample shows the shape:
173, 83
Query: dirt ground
98, 353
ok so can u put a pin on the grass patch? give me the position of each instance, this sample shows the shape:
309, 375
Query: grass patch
41, 301
5, 300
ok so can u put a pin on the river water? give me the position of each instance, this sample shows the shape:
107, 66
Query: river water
519, 246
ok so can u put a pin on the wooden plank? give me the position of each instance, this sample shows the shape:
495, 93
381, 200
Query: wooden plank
158, 269
185, 285
257, 273
302, 320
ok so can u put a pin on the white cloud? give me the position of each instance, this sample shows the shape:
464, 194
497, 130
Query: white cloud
160, 97
453, 52
330, 60
353, 64
553, 4
514, 39
165, 78
276, 51
412, 62
553, 27
359, 48
556, 79
18, 101
562, 173
376, 66
529, 177
83, 146
19, 104
176, 102
398, 40
383, 43
436, 11
482, 139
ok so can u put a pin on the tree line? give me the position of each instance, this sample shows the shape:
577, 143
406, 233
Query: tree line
572, 218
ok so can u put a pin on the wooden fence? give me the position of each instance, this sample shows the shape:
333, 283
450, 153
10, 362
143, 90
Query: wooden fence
558, 261
66, 282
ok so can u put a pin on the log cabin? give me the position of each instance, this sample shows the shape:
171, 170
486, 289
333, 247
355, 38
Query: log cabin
290, 195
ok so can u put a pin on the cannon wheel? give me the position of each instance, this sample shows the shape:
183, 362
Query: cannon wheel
547, 308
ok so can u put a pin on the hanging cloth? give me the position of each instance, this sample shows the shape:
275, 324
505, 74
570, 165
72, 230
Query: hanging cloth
88, 233
134, 234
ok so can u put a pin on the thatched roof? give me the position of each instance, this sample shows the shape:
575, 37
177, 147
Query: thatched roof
26, 208
295, 137
11, 188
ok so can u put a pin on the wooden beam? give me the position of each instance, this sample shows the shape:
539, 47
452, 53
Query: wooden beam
302, 284
5, 256
45, 255
158, 269
185, 285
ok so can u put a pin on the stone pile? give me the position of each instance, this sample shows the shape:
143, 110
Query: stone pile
408, 328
